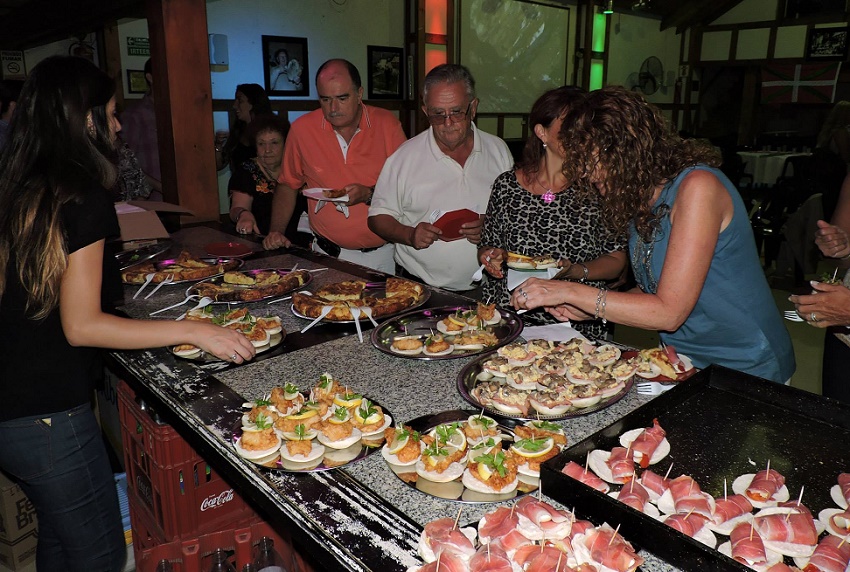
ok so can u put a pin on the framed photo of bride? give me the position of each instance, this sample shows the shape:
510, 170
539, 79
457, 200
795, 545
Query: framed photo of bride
285, 66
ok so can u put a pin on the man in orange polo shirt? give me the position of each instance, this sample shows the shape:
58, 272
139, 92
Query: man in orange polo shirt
343, 145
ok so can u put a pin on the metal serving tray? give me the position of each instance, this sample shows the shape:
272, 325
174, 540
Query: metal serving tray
718, 423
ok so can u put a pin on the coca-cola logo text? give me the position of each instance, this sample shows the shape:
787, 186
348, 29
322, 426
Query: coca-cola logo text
214, 501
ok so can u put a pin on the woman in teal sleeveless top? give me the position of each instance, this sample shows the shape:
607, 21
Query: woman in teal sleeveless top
691, 246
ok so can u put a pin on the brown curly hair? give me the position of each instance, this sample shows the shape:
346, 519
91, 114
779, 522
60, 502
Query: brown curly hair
629, 138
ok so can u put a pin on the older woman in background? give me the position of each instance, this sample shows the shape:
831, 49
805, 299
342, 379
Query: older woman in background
534, 211
692, 248
250, 102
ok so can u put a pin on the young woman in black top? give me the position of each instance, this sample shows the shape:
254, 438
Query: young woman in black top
55, 288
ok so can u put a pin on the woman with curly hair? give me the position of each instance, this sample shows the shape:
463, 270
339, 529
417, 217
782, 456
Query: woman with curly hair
691, 246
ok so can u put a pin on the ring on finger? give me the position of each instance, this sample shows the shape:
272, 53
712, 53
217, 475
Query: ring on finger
813, 317
234, 356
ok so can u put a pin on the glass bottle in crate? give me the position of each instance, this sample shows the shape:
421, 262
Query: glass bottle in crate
164, 566
268, 559
220, 563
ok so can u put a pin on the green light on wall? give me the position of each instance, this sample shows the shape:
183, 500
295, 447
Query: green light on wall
597, 71
599, 24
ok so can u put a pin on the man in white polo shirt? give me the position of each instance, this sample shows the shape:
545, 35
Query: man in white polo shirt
449, 167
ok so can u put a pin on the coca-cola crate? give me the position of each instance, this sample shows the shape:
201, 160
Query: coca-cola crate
147, 440
193, 554
184, 497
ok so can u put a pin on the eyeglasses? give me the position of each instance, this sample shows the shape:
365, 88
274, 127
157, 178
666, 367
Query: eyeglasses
453, 117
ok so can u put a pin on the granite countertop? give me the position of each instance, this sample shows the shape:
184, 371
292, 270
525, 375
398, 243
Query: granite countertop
362, 516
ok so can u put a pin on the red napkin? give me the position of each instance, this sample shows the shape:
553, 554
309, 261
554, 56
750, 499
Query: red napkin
451, 222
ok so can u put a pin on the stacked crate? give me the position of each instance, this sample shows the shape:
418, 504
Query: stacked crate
180, 508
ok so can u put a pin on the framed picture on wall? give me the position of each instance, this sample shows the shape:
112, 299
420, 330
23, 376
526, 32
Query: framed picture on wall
285, 65
827, 43
386, 72
136, 82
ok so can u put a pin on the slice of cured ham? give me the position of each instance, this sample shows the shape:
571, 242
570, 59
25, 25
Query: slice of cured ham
782, 567
584, 475
490, 559
747, 545
654, 483
542, 559
539, 520
692, 525
496, 524
765, 484
835, 521
648, 445
442, 535
449, 562
730, 512
831, 555
603, 546
788, 530
634, 495
685, 496
621, 464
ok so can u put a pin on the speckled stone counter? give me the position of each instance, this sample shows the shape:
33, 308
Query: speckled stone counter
360, 517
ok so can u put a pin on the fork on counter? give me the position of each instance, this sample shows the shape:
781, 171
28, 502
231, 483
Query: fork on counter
654, 387
792, 316
168, 280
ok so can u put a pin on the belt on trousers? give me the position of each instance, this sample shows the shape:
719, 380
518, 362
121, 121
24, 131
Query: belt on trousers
333, 249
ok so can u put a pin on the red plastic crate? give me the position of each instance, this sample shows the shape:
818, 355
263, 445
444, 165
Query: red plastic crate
193, 554
183, 497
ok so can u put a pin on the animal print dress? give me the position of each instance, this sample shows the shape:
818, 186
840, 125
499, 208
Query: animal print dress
570, 226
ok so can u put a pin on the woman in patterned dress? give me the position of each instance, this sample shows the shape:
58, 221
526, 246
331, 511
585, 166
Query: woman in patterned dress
691, 245
253, 184
534, 211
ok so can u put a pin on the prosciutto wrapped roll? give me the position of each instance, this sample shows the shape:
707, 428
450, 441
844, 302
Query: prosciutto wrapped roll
794, 525
647, 442
499, 529
441, 535
747, 545
449, 562
764, 485
604, 546
546, 559
688, 498
634, 495
688, 524
621, 464
654, 483
729, 508
490, 559
583, 475
539, 520
831, 555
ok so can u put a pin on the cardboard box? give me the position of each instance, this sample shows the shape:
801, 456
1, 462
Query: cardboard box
18, 527
139, 221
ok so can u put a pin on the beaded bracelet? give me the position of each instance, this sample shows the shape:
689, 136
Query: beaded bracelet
601, 300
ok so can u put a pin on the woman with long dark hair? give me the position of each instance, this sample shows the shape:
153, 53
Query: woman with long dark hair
692, 249
250, 101
56, 288
534, 211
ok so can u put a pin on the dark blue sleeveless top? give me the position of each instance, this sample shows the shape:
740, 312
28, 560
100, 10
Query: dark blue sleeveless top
735, 322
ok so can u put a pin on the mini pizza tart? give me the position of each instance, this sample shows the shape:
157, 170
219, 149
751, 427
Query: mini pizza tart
334, 193
342, 291
183, 268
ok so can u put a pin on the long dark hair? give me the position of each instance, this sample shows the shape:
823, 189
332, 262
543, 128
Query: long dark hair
630, 138
260, 105
550, 106
50, 160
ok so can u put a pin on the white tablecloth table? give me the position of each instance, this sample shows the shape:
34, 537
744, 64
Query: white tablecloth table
765, 166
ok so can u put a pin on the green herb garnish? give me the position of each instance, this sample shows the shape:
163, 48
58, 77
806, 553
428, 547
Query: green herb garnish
262, 402
531, 444
300, 431
496, 462
434, 450
290, 388
341, 413
366, 409
262, 421
445, 431
546, 426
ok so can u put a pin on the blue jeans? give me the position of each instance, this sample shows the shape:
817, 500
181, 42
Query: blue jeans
61, 463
